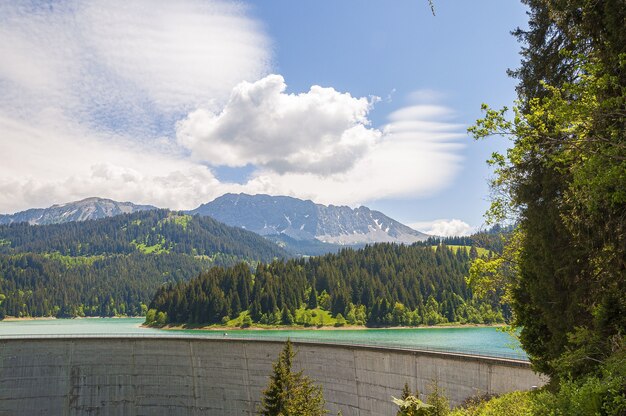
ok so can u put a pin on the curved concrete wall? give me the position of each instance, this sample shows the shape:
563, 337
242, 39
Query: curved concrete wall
193, 376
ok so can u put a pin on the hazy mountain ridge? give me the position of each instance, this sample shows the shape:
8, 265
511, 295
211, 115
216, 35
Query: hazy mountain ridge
86, 209
306, 220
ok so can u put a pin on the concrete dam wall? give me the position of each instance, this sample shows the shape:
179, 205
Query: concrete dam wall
199, 376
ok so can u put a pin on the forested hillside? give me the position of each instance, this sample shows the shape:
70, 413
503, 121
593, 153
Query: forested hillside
382, 284
111, 266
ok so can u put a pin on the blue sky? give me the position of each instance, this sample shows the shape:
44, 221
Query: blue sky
370, 48
174, 104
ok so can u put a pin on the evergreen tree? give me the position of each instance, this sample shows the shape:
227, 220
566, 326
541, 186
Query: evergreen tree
440, 406
312, 303
563, 182
290, 393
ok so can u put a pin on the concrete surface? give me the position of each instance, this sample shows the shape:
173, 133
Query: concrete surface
196, 376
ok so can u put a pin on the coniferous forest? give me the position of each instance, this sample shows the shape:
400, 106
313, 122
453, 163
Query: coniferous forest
113, 266
380, 285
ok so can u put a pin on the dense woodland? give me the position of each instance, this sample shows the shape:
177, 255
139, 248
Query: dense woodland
156, 231
112, 266
379, 285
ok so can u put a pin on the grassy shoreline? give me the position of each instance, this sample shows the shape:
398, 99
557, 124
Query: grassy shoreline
257, 327
217, 327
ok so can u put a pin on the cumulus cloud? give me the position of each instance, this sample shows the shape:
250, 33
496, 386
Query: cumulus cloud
321, 131
444, 227
320, 144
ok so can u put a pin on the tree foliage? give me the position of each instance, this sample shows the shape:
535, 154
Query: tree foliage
291, 393
380, 285
114, 265
563, 181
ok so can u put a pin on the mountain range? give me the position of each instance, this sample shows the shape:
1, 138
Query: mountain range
305, 220
301, 227
86, 209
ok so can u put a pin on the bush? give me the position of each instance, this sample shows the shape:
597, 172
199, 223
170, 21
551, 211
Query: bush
246, 322
161, 319
150, 317
602, 394
512, 404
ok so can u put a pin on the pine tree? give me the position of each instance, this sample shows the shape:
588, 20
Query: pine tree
312, 304
438, 401
289, 393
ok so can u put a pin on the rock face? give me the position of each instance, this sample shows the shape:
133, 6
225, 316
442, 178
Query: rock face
305, 220
86, 209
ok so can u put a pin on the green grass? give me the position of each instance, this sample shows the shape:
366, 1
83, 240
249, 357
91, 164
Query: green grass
318, 316
179, 219
154, 249
481, 251
73, 261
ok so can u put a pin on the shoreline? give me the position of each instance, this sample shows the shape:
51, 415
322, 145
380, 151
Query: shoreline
51, 318
217, 328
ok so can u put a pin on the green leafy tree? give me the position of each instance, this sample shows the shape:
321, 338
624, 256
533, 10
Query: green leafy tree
563, 181
246, 322
291, 393
150, 317
341, 321
412, 406
161, 319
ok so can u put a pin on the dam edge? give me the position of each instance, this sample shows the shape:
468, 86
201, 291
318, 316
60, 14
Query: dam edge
190, 375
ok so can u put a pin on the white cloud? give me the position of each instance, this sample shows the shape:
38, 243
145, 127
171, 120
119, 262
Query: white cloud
443, 227
44, 165
121, 65
320, 145
179, 53
322, 131
91, 93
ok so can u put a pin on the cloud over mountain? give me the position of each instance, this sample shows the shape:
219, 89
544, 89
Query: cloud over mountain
320, 144
444, 227
320, 131
145, 101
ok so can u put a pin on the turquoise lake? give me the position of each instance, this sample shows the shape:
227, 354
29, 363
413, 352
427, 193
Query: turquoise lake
472, 340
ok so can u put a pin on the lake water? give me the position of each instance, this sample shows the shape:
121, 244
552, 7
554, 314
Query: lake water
473, 340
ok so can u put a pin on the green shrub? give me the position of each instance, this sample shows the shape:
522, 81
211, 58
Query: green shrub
341, 321
512, 404
150, 317
603, 394
246, 322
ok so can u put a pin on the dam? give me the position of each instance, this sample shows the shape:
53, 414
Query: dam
186, 375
